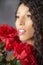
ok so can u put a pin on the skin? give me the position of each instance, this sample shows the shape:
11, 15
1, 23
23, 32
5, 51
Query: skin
23, 20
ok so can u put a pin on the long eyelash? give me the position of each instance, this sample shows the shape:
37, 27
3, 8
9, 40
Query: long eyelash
29, 15
16, 16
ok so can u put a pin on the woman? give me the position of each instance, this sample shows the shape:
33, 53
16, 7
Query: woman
27, 41
29, 26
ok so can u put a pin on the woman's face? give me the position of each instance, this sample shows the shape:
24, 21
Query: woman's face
24, 23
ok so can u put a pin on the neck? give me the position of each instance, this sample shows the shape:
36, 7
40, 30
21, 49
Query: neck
31, 42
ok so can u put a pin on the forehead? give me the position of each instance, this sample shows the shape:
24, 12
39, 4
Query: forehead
23, 9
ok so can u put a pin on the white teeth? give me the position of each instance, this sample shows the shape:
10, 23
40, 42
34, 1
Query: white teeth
21, 30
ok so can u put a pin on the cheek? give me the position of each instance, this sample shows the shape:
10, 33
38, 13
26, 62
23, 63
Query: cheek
16, 23
29, 28
28, 23
30, 32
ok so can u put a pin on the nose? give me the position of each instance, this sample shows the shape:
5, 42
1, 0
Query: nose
22, 21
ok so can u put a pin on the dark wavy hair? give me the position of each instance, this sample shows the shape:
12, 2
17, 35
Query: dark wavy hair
36, 9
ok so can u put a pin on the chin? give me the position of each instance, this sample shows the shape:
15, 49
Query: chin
23, 39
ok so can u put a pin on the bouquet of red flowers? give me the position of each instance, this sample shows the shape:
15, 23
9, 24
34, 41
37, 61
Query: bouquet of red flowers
24, 54
6, 37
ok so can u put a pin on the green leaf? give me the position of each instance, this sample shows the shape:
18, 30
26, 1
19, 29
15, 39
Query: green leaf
2, 63
2, 45
1, 58
13, 62
18, 62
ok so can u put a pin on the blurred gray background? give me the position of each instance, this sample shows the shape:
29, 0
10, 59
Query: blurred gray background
7, 11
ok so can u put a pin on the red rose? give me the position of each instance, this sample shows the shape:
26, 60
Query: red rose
8, 45
7, 34
21, 50
7, 31
25, 53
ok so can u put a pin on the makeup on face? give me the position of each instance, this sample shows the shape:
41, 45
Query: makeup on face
24, 23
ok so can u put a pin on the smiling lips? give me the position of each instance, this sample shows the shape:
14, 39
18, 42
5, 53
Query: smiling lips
21, 31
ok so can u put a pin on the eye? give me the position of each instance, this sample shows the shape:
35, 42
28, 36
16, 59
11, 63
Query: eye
16, 16
29, 16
